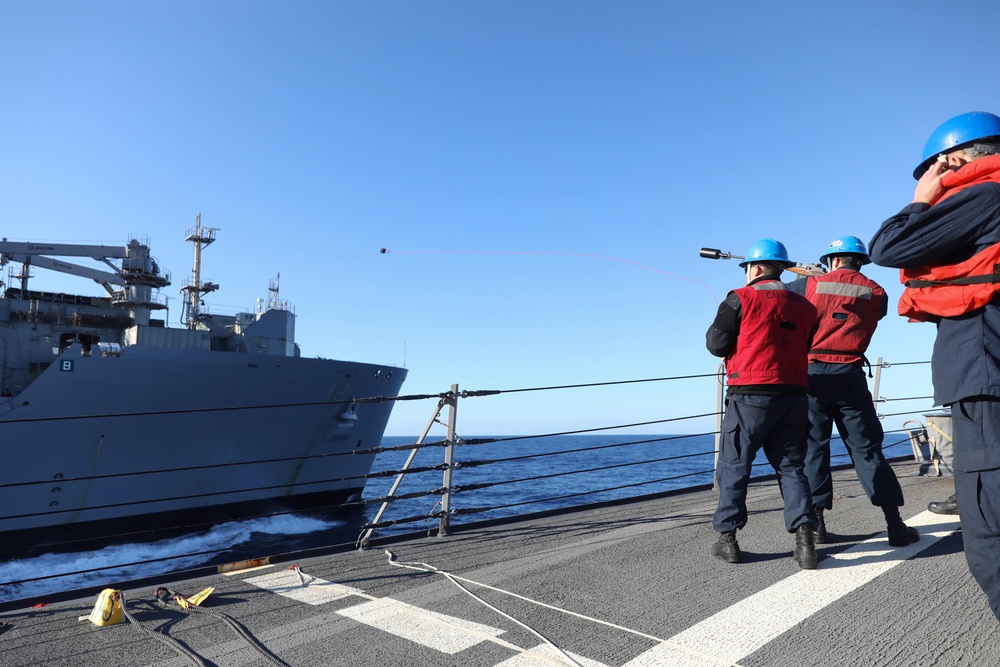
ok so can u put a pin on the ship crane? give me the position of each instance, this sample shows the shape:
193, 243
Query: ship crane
139, 273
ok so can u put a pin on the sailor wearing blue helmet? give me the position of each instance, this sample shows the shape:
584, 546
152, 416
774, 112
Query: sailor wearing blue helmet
764, 331
942, 241
850, 306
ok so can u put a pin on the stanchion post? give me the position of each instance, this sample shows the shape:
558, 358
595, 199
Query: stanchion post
365, 537
875, 382
720, 398
449, 459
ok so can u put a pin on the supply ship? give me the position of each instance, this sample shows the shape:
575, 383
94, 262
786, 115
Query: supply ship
113, 423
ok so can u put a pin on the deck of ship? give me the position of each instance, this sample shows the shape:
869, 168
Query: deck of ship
629, 584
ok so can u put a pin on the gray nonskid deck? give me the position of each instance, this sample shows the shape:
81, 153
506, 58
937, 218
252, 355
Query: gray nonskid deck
638, 577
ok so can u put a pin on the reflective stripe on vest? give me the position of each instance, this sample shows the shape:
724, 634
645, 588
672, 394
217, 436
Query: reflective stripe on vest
849, 306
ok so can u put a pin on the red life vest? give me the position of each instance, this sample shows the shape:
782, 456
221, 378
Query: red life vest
950, 290
773, 344
850, 306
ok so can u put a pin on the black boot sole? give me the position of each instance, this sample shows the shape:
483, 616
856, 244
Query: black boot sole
725, 554
904, 538
806, 559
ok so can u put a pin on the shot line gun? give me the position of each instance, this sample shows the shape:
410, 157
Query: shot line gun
799, 268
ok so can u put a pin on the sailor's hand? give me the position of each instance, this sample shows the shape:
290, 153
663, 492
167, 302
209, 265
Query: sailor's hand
929, 188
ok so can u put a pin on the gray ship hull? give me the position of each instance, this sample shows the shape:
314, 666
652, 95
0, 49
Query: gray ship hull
158, 438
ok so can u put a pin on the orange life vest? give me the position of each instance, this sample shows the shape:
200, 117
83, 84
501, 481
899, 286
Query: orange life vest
950, 290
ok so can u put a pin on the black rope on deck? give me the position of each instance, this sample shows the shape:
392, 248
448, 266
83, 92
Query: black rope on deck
175, 644
164, 595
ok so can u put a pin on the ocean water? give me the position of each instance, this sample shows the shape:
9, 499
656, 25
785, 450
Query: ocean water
503, 477
533, 474
506, 476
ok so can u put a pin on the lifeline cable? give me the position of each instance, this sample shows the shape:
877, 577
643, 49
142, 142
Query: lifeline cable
424, 567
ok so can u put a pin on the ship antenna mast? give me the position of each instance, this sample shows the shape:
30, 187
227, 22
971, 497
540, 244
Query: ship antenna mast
193, 289
272, 293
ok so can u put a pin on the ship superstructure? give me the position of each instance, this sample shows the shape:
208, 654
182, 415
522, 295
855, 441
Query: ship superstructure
113, 422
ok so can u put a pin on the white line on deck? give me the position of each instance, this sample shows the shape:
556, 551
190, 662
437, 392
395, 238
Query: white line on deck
546, 651
304, 588
736, 632
440, 632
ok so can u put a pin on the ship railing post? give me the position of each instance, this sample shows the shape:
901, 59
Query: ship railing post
366, 536
875, 382
720, 397
449, 459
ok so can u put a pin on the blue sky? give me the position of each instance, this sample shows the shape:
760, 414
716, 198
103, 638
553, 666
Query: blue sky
541, 173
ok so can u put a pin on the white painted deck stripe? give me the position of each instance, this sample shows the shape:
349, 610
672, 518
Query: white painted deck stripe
740, 630
314, 591
440, 632
526, 660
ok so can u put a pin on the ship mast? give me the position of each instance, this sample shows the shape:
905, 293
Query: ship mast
193, 289
272, 292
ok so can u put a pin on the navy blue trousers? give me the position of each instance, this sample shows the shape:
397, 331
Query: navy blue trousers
776, 424
976, 424
842, 398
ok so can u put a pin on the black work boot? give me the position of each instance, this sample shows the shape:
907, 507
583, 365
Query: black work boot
899, 533
805, 548
949, 506
727, 548
819, 535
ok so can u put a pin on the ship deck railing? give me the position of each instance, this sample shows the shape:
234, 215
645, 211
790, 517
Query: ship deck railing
655, 470
461, 475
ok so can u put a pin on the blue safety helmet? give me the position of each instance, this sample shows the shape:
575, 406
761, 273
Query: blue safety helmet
846, 245
956, 133
767, 250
